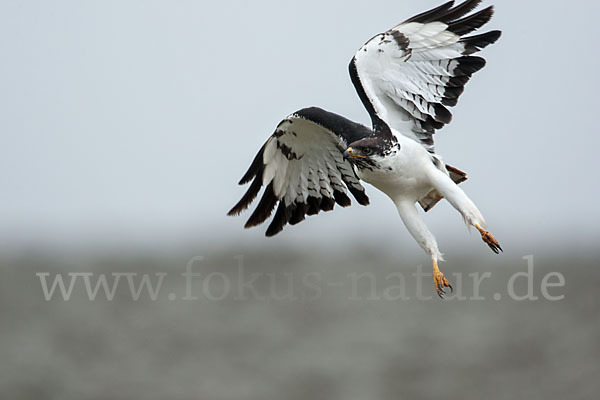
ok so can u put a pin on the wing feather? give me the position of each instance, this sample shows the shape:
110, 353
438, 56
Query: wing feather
303, 170
410, 75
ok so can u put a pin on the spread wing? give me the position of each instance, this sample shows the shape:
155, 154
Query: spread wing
303, 169
409, 75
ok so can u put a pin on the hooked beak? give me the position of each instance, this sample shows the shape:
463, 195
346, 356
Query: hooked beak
349, 153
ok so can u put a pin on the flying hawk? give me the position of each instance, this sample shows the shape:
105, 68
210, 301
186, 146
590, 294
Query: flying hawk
406, 78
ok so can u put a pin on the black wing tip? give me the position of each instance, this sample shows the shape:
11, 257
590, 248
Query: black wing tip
327, 203
298, 214
281, 218
313, 205
475, 43
341, 198
264, 208
468, 65
471, 22
493, 35
442, 114
235, 211
450, 15
460, 10
295, 213
248, 197
451, 95
431, 15
465, 68
458, 81
360, 196
255, 167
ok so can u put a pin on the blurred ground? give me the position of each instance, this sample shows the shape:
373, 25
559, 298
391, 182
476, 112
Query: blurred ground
316, 326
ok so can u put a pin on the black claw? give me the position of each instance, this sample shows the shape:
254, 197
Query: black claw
451, 288
495, 247
439, 294
440, 288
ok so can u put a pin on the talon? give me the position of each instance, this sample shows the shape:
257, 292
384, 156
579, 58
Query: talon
490, 240
439, 281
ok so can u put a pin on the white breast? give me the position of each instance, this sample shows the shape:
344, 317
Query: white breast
404, 175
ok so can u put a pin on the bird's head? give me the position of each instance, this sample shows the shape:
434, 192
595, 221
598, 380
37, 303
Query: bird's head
366, 151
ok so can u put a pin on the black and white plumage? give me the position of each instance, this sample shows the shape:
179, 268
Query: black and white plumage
409, 75
302, 167
407, 78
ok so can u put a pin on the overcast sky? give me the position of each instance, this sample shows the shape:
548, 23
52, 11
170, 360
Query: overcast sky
131, 121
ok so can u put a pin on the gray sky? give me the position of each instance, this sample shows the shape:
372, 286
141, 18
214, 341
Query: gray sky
131, 121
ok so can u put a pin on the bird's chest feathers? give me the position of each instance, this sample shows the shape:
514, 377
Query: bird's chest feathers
401, 174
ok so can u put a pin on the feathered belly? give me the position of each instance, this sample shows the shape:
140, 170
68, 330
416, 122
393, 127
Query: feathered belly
397, 184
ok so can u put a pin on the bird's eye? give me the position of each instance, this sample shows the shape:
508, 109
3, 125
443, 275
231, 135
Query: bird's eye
366, 151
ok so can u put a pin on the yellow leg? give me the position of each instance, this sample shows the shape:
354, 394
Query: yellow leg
439, 280
489, 240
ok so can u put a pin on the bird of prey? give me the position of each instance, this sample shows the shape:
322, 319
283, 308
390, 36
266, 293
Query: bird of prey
406, 78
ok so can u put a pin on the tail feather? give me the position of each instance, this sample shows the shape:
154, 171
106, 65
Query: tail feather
434, 196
